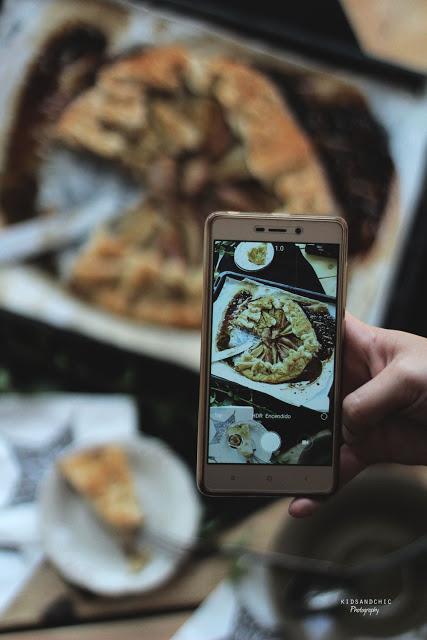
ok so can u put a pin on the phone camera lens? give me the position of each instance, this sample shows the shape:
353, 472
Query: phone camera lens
298, 230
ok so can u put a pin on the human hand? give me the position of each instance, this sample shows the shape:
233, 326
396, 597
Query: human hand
385, 402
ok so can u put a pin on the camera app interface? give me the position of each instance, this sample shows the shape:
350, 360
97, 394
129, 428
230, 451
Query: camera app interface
272, 353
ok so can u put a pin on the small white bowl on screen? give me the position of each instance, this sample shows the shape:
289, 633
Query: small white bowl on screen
253, 256
270, 442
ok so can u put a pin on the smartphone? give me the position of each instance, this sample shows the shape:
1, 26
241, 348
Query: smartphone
270, 402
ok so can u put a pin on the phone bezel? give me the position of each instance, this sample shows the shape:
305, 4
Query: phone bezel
233, 479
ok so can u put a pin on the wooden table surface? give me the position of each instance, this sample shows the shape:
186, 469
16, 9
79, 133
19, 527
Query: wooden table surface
152, 628
394, 30
48, 601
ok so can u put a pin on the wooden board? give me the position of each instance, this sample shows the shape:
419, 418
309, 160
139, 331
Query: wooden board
47, 600
157, 628
394, 30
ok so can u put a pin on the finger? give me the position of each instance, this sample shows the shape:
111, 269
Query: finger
357, 338
374, 402
351, 464
302, 507
402, 442
357, 333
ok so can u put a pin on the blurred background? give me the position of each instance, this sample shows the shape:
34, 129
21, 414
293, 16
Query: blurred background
108, 170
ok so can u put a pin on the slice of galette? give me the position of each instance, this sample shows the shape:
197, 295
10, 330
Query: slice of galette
102, 477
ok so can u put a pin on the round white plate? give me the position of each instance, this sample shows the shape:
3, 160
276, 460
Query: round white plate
241, 256
226, 454
88, 556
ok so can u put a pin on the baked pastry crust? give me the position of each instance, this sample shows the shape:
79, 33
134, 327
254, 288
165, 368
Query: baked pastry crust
203, 134
140, 272
103, 478
287, 343
274, 145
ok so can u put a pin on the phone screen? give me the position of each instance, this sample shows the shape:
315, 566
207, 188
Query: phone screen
272, 354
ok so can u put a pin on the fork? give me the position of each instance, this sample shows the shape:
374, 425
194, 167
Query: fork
313, 567
204, 548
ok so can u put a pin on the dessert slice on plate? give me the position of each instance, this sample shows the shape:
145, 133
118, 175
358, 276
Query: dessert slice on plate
102, 477
114, 480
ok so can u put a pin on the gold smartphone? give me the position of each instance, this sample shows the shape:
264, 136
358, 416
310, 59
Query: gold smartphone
270, 401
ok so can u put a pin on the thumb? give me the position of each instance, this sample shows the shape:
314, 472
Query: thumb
357, 340
350, 466
378, 399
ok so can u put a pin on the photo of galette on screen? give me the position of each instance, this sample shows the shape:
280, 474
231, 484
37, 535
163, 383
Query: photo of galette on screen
274, 336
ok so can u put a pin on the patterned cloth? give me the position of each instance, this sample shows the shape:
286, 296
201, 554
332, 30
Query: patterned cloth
34, 430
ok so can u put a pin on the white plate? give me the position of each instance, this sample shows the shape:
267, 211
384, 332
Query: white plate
86, 555
241, 256
226, 454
